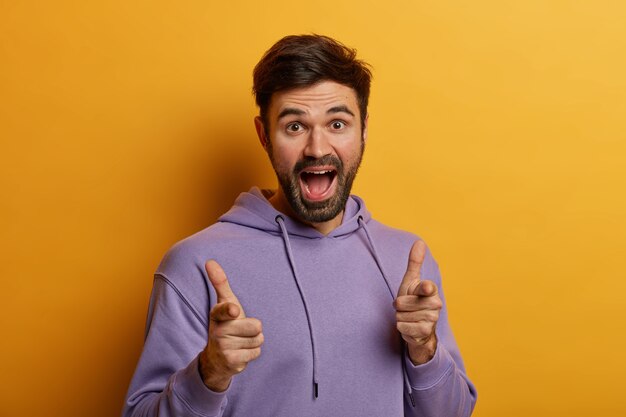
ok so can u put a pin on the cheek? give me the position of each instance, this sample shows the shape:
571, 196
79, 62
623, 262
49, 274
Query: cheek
349, 153
284, 158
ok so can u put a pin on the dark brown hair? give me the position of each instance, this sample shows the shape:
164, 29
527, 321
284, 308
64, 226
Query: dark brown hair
303, 60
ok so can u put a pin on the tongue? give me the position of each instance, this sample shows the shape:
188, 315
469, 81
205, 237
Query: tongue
317, 184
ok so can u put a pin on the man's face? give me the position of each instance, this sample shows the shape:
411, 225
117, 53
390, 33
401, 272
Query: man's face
315, 145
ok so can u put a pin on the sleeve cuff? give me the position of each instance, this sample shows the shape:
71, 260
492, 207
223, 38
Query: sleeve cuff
431, 373
189, 386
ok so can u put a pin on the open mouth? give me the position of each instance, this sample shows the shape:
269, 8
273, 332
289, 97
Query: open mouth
318, 183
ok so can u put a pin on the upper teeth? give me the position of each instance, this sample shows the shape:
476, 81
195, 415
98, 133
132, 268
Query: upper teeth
318, 172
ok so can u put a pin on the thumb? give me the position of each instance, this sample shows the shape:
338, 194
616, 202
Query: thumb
225, 312
218, 279
426, 289
412, 276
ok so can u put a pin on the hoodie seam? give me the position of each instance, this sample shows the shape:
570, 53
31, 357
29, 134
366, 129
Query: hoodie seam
170, 284
186, 403
443, 376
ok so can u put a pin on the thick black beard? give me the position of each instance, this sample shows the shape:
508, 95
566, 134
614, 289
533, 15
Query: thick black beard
320, 211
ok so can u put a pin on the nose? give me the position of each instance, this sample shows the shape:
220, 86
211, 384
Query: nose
318, 144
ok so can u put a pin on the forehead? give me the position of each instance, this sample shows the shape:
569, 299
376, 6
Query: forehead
315, 98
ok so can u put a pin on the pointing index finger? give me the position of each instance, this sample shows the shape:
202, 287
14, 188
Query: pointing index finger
218, 279
412, 277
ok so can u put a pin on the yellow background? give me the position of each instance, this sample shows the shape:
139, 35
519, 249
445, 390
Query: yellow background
497, 132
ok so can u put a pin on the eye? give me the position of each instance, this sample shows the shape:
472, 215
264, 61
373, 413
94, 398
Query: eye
294, 127
337, 125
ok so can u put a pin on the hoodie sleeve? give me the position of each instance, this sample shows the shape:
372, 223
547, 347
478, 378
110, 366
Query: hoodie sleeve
167, 381
440, 386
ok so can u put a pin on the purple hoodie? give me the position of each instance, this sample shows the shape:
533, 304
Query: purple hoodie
331, 345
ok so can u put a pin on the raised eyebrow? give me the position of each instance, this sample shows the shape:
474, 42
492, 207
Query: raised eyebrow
290, 111
340, 109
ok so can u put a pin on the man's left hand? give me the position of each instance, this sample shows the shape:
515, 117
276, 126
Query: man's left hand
417, 308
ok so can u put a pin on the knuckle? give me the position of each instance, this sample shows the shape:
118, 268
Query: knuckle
420, 340
401, 327
425, 329
402, 303
407, 329
434, 316
257, 326
416, 331
253, 342
238, 367
413, 330
218, 331
230, 358
434, 301
254, 353
221, 344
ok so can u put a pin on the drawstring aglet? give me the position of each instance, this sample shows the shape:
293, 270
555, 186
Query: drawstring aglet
315, 389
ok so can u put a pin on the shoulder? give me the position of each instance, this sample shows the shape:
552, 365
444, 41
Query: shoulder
184, 253
182, 266
395, 245
391, 234
191, 253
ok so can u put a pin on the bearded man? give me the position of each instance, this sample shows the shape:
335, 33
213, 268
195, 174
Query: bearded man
296, 302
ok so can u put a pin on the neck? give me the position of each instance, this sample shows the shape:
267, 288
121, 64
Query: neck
280, 203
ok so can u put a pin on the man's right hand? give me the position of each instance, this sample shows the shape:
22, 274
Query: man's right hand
233, 341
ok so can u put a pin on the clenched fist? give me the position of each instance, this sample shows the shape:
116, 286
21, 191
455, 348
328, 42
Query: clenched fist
417, 308
234, 339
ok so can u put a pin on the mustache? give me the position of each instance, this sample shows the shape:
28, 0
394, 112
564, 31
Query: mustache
325, 160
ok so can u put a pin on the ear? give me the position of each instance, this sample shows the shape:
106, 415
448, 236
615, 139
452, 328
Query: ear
260, 131
367, 118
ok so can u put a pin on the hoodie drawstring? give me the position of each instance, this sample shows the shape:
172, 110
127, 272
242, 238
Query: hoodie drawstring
407, 384
279, 219
281, 223
375, 255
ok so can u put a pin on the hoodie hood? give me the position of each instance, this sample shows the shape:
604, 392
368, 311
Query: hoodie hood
252, 209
